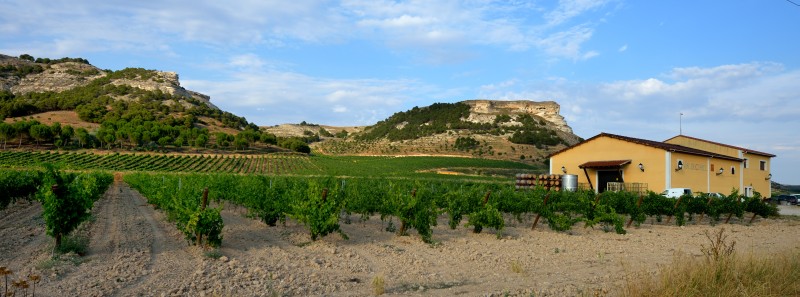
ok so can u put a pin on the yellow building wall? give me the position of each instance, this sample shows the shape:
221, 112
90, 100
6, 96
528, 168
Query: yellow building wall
704, 145
752, 176
693, 175
606, 149
726, 181
755, 177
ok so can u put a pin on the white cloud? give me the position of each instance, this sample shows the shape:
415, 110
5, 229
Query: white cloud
403, 21
623, 48
246, 61
567, 44
429, 28
269, 96
568, 9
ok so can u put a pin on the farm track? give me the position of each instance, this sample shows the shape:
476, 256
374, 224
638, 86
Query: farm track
127, 250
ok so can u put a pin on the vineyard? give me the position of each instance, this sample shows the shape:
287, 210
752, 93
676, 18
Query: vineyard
369, 214
323, 203
273, 164
66, 198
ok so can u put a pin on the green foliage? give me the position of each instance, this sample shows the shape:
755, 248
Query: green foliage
605, 214
318, 210
415, 203
278, 163
757, 206
466, 143
67, 198
295, 144
180, 198
207, 223
488, 216
17, 184
19, 70
415, 209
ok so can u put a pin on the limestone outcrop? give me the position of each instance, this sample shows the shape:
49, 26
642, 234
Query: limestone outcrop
485, 111
58, 77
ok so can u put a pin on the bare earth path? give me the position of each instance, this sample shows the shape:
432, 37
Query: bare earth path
135, 251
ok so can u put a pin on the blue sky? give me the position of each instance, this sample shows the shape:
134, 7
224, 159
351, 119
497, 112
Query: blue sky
625, 67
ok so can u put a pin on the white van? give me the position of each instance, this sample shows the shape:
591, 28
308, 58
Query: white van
676, 192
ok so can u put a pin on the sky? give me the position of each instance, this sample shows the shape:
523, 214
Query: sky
725, 71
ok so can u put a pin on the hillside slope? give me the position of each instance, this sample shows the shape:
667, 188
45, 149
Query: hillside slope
525, 131
128, 109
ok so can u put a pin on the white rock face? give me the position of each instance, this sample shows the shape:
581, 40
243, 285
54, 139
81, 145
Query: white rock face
67, 75
167, 82
58, 77
485, 111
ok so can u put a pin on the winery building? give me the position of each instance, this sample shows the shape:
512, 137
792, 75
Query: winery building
612, 162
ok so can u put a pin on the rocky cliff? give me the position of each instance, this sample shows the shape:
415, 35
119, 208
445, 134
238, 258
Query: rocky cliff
57, 77
485, 111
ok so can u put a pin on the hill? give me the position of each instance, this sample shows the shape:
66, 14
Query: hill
510, 130
68, 103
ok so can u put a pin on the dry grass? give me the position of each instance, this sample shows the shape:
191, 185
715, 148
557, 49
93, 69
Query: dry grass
723, 273
378, 285
516, 267
64, 117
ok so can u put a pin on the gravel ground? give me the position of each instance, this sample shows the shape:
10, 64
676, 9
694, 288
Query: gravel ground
134, 251
789, 210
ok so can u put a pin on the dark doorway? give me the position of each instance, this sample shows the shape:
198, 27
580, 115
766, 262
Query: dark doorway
606, 176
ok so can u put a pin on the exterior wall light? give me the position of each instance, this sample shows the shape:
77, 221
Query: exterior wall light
641, 167
769, 176
720, 171
680, 165
563, 169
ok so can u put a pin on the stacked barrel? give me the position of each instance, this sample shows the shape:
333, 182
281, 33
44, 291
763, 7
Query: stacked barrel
530, 181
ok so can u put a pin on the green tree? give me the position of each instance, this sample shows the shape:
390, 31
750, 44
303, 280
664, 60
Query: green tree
41, 133
164, 141
23, 130
66, 135
269, 138
201, 140
83, 136
6, 132
109, 139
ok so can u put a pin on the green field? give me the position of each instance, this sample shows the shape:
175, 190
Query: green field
274, 164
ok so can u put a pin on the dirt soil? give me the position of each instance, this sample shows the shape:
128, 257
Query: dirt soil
134, 251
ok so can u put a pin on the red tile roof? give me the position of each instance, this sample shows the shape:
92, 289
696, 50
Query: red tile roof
744, 150
604, 164
661, 145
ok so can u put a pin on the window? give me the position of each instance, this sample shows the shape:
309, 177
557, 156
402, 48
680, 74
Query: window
745, 163
763, 165
712, 167
733, 170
